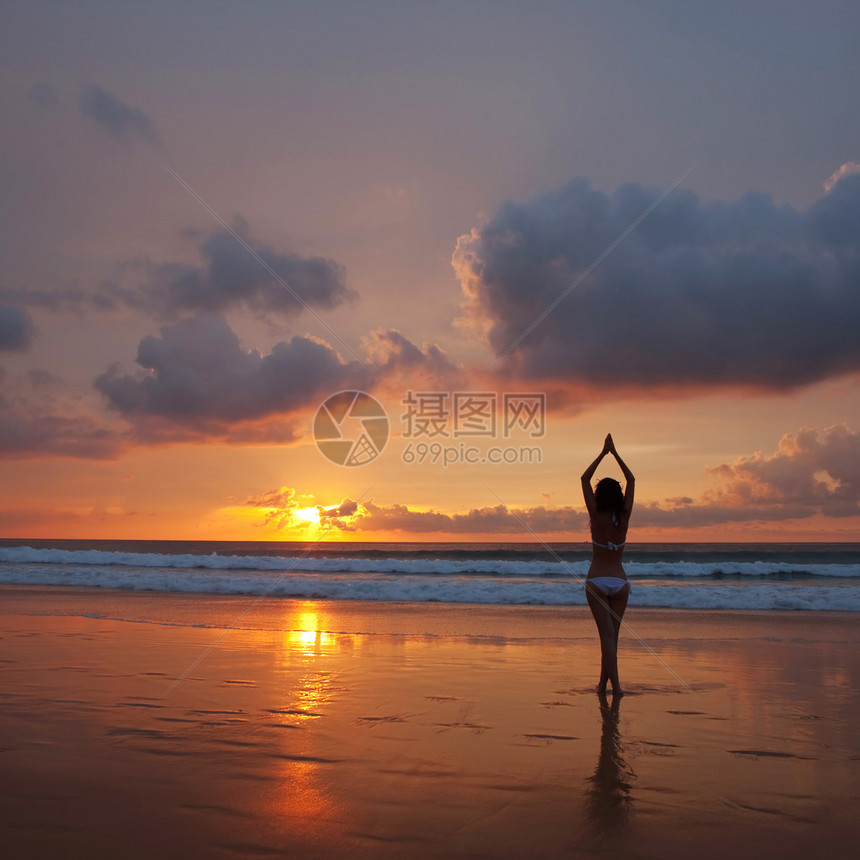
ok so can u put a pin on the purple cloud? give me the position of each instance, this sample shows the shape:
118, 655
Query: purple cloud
16, 329
113, 116
747, 293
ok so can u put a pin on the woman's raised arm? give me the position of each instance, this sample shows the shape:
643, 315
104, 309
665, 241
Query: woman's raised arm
629, 479
588, 474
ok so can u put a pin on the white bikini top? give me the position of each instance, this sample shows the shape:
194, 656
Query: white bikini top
609, 545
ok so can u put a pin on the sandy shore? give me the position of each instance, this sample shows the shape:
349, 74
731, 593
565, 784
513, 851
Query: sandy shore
322, 729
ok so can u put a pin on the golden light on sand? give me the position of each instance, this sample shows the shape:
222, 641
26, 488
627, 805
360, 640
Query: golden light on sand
299, 799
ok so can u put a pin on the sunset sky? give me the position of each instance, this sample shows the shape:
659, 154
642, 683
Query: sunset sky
218, 214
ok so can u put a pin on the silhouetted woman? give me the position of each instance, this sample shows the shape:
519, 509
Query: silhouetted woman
606, 587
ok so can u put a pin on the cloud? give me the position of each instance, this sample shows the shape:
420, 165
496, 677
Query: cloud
847, 169
108, 296
285, 497
197, 373
37, 421
230, 276
337, 516
692, 514
226, 277
17, 521
119, 120
701, 293
809, 474
809, 471
394, 356
353, 516
281, 505
16, 329
40, 378
496, 519
197, 381
24, 436
43, 94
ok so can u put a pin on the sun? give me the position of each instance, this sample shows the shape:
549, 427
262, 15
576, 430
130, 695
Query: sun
306, 516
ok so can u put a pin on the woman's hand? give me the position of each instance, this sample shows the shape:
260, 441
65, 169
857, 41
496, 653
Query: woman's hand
608, 444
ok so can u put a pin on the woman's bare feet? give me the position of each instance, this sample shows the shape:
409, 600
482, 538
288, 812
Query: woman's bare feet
600, 689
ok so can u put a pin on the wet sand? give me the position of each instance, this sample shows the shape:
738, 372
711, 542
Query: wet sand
323, 729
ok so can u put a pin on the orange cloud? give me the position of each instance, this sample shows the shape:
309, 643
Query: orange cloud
845, 170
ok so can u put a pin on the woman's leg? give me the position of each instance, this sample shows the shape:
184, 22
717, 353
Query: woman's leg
607, 612
617, 605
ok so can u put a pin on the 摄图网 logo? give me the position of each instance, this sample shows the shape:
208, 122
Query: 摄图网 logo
351, 428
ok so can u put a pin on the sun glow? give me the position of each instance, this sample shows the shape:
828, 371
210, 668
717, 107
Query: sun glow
287, 514
306, 516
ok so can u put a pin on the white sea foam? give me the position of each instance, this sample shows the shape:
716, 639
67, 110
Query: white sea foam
24, 555
445, 588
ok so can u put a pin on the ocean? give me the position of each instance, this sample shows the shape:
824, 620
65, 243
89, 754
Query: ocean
784, 576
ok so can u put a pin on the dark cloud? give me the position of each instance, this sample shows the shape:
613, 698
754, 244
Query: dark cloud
16, 329
43, 94
40, 378
107, 296
338, 516
229, 276
23, 436
747, 293
197, 377
37, 421
121, 121
197, 372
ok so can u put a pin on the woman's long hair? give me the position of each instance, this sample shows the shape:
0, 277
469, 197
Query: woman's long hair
609, 498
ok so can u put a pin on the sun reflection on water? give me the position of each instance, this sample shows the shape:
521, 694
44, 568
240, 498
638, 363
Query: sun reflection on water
304, 633
303, 802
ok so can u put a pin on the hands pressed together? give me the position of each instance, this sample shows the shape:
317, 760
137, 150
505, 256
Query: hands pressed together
608, 445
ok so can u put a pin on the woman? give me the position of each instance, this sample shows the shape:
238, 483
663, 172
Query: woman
606, 587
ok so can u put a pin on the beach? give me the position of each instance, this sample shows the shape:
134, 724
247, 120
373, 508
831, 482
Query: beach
172, 725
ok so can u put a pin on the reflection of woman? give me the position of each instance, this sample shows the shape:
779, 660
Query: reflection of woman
608, 797
606, 587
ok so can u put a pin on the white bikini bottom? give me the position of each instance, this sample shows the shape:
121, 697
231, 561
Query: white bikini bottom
607, 585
